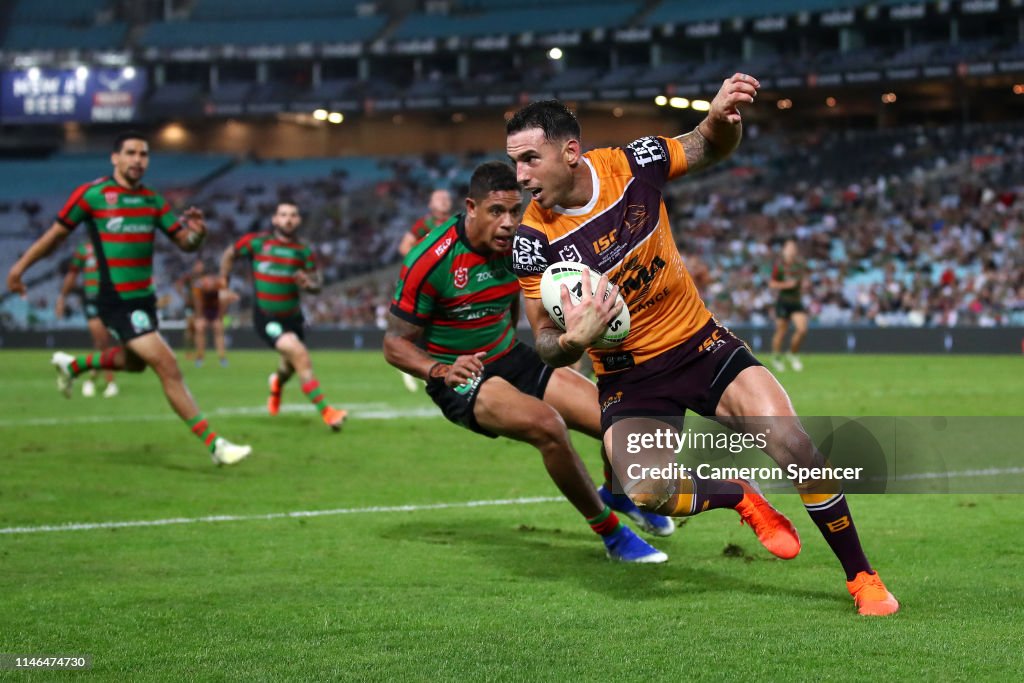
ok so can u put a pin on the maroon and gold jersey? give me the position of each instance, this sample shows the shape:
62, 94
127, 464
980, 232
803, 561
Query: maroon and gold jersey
623, 232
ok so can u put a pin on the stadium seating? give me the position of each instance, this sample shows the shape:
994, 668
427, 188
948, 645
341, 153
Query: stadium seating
169, 34
234, 10
547, 17
59, 25
684, 11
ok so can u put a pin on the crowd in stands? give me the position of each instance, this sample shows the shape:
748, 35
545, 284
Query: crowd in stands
921, 227
909, 228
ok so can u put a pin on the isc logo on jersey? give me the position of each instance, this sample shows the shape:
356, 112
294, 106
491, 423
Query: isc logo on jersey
569, 274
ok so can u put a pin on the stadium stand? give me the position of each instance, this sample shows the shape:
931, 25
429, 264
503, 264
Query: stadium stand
57, 25
559, 18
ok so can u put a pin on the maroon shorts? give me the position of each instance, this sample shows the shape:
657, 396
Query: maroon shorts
692, 376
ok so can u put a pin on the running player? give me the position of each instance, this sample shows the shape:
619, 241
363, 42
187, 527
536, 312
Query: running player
605, 208
122, 215
281, 267
439, 212
209, 304
84, 262
185, 286
787, 279
452, 323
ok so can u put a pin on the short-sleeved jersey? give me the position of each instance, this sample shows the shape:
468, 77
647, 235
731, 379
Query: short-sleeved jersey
796, 270
274, 264
623, 232
121, 223
209, 295
423, 227
462, 299
84, 261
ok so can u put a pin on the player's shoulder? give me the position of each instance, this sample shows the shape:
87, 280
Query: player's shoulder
95, 187
435, 246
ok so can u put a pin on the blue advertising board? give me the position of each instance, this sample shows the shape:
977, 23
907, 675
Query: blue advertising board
57, 95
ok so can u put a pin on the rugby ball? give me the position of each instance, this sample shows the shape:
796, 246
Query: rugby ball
570, 273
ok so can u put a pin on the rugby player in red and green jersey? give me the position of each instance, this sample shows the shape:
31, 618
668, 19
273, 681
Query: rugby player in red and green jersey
122, 216
281, 267
453, 324
84, 261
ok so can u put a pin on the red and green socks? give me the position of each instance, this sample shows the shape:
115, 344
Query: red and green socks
201, 428
312, 391
95, 361
606, 523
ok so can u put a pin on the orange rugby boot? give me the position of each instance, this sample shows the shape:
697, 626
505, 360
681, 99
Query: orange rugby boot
773, 529
871, 596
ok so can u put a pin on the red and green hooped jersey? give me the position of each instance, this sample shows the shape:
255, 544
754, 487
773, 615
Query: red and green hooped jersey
121, 223
274, 264
84, 262
462, 299
423, 227
782, 271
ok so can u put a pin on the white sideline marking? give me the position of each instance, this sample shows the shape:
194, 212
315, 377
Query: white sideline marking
274, 515
357, 411
915, 476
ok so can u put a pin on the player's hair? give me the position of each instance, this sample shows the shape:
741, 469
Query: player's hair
492, 176
126, 136
287, 202
551, 116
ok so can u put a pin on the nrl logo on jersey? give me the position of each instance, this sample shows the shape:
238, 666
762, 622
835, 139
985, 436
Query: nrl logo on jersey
461, 278
111, 198
570, 253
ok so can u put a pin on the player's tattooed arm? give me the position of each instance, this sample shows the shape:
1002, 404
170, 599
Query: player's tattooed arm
401, 349
548, 338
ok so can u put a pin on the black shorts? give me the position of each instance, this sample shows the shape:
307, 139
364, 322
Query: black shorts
784, 310
692, 376
127, 319
521, 367
91, 309
211, 315
270, 328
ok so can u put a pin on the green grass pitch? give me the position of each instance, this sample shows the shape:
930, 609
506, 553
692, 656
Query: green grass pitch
498, 592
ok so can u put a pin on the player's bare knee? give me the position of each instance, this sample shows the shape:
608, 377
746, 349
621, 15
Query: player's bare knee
649, 500
547, 429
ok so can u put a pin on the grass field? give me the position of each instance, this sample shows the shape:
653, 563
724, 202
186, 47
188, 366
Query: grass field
505, 591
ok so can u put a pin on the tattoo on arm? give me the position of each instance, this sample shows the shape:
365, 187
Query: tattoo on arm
400, 347
709, 143
699, 152
551, 352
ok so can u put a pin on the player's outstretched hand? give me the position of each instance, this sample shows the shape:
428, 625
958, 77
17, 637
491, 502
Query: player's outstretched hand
302, 279
14, 283
586, 321
736, 90
465, 369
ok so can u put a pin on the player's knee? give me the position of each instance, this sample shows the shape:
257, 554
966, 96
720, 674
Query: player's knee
649, 500
547, 428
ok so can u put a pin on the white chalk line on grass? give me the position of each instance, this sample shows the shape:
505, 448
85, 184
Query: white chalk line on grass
298, 514
357, 411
